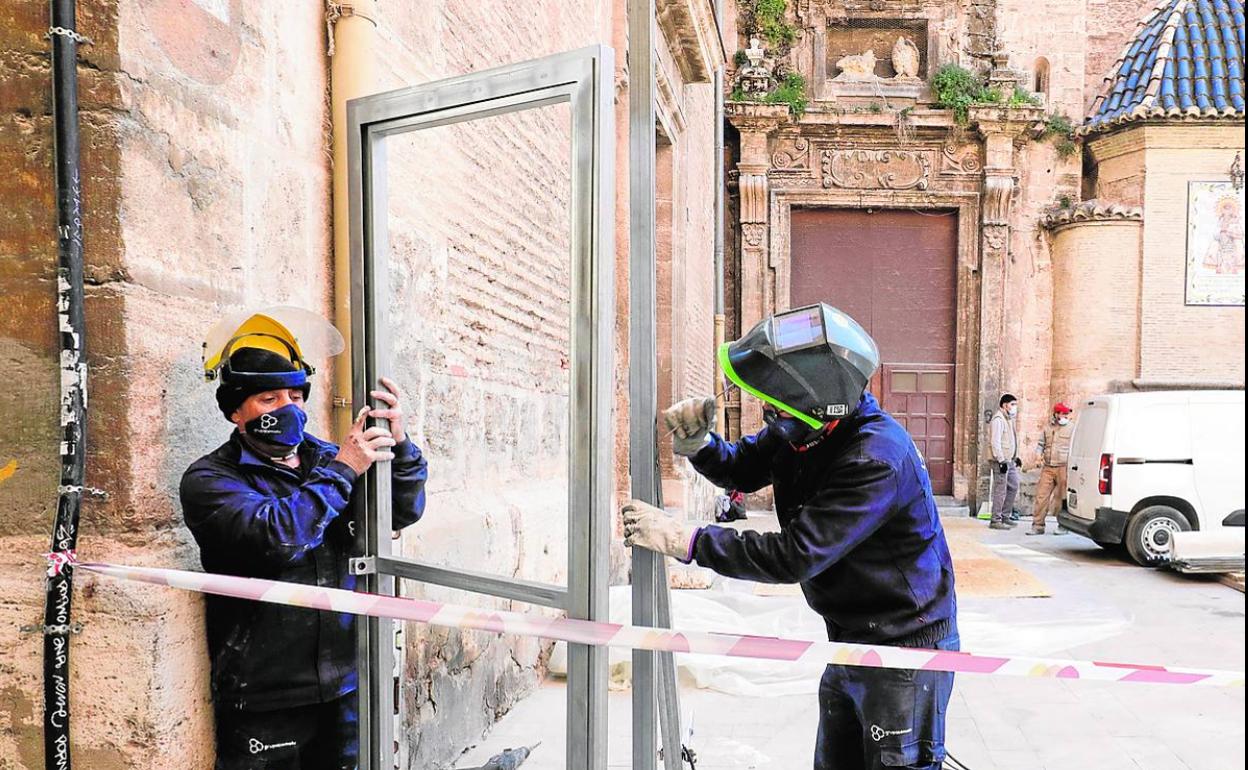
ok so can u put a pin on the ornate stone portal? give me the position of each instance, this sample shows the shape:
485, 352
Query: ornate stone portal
862, 161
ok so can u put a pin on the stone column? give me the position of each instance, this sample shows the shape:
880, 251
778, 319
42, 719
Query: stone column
755, 122
1003, 130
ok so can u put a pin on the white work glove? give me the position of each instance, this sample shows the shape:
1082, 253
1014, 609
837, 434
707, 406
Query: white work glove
650, 527
691, 422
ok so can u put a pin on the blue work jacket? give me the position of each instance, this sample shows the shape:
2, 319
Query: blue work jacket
254, 518
858, 528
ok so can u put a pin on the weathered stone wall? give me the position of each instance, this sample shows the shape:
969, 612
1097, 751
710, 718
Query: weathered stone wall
1110, 27
1050, 33
205, 186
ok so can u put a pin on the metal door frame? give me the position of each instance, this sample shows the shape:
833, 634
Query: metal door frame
584, 80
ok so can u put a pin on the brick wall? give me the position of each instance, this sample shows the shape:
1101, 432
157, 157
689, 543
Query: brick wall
1096, 308
1170, 343
686, 350
1178, 342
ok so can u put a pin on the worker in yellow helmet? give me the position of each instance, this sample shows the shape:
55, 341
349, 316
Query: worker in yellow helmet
273, 502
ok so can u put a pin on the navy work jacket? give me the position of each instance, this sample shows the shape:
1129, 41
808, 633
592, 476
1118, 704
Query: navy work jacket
858, 528
254, 518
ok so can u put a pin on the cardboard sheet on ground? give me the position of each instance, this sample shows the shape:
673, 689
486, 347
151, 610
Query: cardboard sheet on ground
979, 571
732, 607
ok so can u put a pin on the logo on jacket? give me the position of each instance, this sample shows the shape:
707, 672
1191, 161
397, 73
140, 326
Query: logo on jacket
267, 422
255, 746
879, 733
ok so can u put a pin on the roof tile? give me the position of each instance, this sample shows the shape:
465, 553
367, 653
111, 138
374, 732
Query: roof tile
1186, 60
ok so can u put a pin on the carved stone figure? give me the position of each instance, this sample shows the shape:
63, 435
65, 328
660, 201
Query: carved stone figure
860, 66
754, 78
905, 59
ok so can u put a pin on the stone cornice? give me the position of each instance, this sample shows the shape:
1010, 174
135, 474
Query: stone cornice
756, 116
1090, 211
1012, 121
693, 36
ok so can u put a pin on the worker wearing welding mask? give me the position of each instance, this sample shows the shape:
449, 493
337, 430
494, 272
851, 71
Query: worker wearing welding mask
859, 529
275, 502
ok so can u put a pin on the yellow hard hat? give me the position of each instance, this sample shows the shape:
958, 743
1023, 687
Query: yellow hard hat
291, 332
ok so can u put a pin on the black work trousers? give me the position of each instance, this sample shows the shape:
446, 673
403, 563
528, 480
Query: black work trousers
322, 736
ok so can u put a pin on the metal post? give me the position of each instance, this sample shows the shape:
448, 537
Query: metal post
651, 672
369, 315
593, 309
643, 383
71, 327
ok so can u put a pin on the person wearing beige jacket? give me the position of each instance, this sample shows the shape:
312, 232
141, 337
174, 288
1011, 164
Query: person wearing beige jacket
1054, 450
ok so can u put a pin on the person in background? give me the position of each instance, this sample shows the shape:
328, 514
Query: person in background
1054, 450
1003, 439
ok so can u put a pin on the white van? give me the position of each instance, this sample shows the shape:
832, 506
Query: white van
1146, 465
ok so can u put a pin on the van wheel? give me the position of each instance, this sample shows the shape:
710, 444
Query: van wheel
1150, 532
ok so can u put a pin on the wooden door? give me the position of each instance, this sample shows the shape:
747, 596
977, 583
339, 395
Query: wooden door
895, 272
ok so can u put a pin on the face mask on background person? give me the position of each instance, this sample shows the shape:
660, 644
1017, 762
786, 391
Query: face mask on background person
1063, 420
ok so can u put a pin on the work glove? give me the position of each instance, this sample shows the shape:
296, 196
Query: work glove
650, 527
1003, 466
691, 422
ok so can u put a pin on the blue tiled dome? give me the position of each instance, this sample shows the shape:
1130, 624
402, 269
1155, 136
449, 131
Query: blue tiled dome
1185, 61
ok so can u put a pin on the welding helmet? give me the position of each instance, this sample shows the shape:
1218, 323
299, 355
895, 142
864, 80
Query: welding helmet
251, 351
813, 362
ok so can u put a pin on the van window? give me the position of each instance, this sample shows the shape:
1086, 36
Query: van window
1089, 430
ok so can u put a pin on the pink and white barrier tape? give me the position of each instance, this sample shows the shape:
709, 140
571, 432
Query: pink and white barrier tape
661, 640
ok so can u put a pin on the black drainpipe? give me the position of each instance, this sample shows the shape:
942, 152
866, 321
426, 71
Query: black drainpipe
69, 318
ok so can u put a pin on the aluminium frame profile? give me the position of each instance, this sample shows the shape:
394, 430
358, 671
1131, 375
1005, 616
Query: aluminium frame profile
651, 605
583, 79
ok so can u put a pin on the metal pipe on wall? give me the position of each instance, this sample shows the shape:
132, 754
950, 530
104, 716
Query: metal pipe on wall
71, 328
353, 72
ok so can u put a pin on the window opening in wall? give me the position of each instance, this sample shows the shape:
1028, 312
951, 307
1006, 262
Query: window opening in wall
1041, 84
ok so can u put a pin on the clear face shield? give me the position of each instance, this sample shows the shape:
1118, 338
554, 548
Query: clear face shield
291, 332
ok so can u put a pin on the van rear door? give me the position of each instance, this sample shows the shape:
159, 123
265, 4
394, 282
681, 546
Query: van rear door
1087, 444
